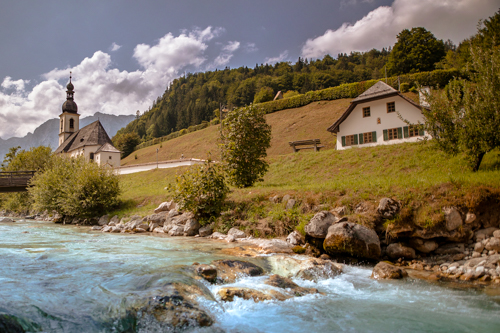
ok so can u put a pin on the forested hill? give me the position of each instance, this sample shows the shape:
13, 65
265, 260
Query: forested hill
192, 99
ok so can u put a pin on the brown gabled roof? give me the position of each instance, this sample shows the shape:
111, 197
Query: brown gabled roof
108, 148
91, 135
378, 91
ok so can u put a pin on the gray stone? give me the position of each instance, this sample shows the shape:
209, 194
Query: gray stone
479, 247
106, 228
340, 211
191, 227
352, 239
452, 217
295, 238
319, 224
205, 231
286, 197
493, 244
159, 230
384, 270
153, 226
237, 233
217, 235
172, 213
115, 219
177, 230
424, 246
158, 218
482, 234
388, 208
496, 233
103, 220
290, 204
275, 199
230, 238
96, 227
165, 206
6, 220
182, 219
398, 250
453, 248
469, 218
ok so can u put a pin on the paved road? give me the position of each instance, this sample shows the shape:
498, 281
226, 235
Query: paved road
161, 165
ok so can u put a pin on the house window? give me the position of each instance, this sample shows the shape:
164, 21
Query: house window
391, 107
366, 112
91, 156
393, 133
367, 137
71, 123
412, 131
110, 157
350, 140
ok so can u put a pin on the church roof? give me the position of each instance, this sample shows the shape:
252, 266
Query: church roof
91, 135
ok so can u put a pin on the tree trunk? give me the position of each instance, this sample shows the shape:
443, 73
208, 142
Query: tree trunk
479, 158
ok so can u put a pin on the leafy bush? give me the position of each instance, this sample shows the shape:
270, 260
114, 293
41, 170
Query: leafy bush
245, 137
74, 187
202, 189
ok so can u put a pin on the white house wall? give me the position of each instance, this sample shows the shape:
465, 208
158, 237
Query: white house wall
103, 157
84, 151
355, 123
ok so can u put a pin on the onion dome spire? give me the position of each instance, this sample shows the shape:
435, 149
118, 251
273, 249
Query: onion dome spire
70, 105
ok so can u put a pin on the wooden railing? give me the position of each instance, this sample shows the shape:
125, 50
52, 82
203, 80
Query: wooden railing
15, 181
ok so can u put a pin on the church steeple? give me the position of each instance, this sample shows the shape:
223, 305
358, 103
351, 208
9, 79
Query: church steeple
69, 122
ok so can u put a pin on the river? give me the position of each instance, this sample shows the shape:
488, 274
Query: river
69, 279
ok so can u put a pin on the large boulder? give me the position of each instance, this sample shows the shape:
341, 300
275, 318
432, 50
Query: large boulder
228, 294
103, 220
191, 227
398, 250
6, 220
165, 206
384, 270
236, 233
291, 287
229, 270
158, 218
319, 224
452, 217
453, 248
176, 230
388, 208
308, 269
207, 272
424, 246
352, 239
205, 231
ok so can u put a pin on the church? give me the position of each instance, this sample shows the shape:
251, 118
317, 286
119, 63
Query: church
91, 141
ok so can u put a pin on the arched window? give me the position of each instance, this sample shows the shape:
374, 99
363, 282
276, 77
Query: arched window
91, 156
71, 123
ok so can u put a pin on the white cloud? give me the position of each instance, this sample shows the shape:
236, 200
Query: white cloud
99, 87
231, 46
114, 47
251, 47
282, 57
225, 56
453, 19
346, 3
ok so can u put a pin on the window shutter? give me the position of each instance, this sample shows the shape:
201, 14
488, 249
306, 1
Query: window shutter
360, 138
405, 130
374, 136
400, 133
355, 139
386, 136
343, 141
421, 132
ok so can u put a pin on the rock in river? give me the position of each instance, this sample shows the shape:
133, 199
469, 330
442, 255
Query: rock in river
352, 239
228, 270
385, 270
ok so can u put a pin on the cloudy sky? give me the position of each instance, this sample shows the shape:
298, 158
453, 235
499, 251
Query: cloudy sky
124, 53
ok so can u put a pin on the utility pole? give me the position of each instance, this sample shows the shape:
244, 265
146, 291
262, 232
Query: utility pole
157, 158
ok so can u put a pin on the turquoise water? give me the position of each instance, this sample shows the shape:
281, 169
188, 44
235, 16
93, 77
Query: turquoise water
69, 279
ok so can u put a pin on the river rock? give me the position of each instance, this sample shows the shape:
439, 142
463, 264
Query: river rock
172, 213
205, 231
352, 239
10, 324
229, 270
482, 234
469, 218
291, 287
454, 248
424, 246
217, 235
103, 220
153, 226
182, 219
175, 309
165, 206
236, 233
496, 233
96, 227
228, 294
191, 227
308, 269
159, 230
388, 208
452, 217
493, 244
6, 220
295, 238
479, 247
398, 250
207, 272
385, 270
319, 224
268, 246
176, 230
158, 218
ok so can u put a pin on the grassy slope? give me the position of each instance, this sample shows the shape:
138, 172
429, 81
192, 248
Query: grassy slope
409, 172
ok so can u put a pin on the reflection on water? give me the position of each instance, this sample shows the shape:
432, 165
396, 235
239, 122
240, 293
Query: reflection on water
69, 279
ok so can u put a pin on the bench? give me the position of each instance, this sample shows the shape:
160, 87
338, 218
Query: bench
312, 144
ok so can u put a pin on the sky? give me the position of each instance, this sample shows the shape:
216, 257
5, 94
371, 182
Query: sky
124, 53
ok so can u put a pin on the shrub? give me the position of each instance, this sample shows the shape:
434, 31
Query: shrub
74, 187
202, 189
405, 87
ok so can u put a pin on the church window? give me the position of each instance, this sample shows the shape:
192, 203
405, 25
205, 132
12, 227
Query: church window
61, 125
91, 156
71, 123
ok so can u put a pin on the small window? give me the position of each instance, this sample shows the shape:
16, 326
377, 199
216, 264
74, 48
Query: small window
413, 131
391, 107
61, 125
392, 133
367, 137
71, 123
110, 157
91, 156
366, 112
350, 140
